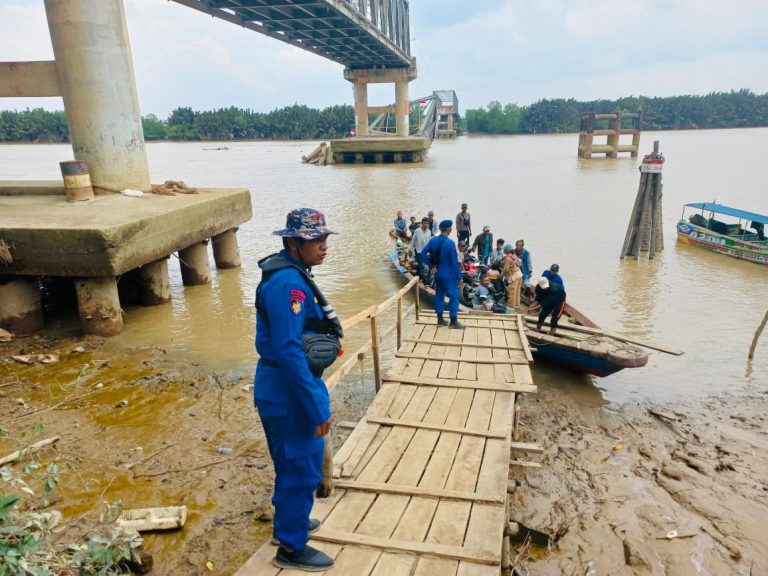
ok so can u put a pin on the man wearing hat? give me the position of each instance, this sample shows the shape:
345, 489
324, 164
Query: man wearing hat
553, 275
551, 296
463, 225
440, 252
291, 399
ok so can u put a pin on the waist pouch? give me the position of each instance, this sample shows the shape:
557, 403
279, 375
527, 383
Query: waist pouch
321, 351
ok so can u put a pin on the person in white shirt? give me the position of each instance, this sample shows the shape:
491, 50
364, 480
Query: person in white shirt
421, 237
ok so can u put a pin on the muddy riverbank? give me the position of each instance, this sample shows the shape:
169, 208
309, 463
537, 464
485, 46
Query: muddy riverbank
141, 428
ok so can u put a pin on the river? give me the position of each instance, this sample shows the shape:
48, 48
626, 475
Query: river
568, 210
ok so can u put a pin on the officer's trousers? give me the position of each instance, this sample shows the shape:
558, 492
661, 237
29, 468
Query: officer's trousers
296, 477
448, 288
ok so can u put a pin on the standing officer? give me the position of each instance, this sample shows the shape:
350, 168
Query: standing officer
292, 401
441, 253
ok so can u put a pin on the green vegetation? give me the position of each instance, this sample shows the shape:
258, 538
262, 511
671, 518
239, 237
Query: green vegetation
33, 539
742, 109
733, 109
295, 122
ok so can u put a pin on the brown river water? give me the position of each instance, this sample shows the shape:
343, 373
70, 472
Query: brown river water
570, 211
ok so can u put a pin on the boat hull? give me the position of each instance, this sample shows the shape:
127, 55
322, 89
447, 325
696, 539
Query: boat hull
688, 233
554, 350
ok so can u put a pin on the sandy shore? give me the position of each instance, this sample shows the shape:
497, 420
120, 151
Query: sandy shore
671, 489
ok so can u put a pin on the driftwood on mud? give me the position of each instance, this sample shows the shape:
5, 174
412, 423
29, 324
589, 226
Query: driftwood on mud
28, 450
757, 335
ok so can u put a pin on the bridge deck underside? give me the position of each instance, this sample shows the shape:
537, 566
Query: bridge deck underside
421, 482
329, 28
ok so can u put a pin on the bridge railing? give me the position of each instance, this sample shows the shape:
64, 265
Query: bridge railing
391, 17
371, 347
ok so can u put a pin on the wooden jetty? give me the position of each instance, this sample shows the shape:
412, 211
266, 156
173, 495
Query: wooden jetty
420, 485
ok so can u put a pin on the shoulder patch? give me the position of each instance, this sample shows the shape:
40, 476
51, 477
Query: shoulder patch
298, 295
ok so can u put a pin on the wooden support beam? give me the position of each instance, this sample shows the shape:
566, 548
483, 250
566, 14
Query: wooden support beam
516, 360
525, 464
477, 385
426, 548
463, 344
383, 488
439, 427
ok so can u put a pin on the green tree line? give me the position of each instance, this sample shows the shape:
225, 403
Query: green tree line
295, 122
734, 109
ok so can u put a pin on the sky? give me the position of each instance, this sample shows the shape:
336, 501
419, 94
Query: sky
517, 51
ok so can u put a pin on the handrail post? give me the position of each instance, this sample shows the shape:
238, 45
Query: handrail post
325, 488
399, 322
375, 353
417, 300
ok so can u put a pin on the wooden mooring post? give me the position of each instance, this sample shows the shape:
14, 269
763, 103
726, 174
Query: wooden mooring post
645, 229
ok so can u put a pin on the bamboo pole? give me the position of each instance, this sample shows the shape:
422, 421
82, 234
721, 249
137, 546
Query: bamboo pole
640, 231
654, 217
625, 250
31, 449
375, 354
399, 322
757, 335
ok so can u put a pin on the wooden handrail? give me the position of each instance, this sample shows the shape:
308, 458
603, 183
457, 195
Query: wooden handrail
389, 301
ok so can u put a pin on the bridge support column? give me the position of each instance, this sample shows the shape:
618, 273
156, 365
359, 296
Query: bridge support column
402, 108
98, 84
361, 108
397, 76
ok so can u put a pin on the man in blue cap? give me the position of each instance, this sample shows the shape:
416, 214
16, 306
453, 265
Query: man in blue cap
293, 402
441, 253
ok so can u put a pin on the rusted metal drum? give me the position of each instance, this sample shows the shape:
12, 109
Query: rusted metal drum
77, 180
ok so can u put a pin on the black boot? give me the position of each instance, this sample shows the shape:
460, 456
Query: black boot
441, 321
456, 324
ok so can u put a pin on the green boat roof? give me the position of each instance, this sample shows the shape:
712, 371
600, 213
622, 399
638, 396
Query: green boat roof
721, 209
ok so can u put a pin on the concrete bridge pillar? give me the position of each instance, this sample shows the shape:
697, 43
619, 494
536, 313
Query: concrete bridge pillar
402, 108
98, 303
154, 285
21, 308
226, 252
397, 76
97, 82
195, 268
361, 108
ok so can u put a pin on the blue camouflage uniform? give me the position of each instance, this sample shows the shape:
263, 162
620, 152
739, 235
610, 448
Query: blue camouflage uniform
291, 401
443, 250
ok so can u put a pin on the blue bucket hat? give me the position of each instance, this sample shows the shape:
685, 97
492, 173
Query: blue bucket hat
304, 223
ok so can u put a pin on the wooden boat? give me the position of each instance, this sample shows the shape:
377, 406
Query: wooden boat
579, 345
701, 228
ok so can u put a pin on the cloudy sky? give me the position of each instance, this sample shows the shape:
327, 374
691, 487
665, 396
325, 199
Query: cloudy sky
508, 50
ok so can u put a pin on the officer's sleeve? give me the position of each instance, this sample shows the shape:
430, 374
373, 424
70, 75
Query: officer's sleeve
288, 303
451, 247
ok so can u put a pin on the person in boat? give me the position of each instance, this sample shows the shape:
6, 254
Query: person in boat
440, 252
401, 226
413, 226
498, 254
483, 244
461, 249
432, 223
527, 265
551, 297
483, 298
421, 237
759, 228
290, 395
463, 225
513, 275
553, 275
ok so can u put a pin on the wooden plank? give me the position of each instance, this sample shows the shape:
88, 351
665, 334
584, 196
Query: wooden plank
477, 385
386, 488
529, 447
464, 344
525, 464
600, 332
391, 564
430, 549
524, 339
516, 359
442, 428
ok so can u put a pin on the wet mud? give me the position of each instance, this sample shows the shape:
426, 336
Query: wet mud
665, 489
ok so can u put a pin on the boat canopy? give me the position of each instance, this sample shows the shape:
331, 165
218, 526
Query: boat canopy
720, 209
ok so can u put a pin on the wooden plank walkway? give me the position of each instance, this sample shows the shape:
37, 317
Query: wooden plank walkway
421, 482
